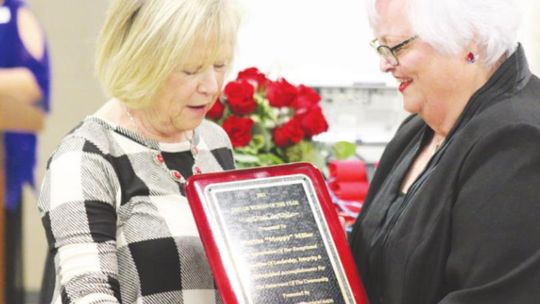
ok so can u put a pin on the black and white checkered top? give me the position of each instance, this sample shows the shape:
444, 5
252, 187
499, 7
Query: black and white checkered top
119, 226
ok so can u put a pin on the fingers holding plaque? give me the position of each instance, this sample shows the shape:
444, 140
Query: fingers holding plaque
272, 236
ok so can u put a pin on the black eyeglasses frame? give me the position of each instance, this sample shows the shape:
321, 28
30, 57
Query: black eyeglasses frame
390, 53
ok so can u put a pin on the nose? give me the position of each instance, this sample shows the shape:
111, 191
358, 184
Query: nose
384, 65
209, 82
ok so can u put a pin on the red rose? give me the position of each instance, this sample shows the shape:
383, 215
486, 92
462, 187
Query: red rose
216, 111
240, 97
239, 130
253, 76
306, 97
281, 93
312, 121
288, 134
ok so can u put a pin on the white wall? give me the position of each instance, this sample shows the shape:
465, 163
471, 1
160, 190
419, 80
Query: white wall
310, 41
530, 32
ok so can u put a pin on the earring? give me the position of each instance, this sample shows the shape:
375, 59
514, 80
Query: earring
471, 58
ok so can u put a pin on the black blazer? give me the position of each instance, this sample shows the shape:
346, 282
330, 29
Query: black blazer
470, 231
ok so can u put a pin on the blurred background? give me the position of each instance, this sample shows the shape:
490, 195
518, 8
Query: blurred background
319, 43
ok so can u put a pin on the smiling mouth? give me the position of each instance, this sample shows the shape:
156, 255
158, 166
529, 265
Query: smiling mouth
403, 85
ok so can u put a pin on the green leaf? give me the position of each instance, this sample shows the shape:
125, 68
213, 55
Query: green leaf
240, 165
249, 150
264, 159
302, 151
245, 158
266, 113
268, 159
343, 150
257, 141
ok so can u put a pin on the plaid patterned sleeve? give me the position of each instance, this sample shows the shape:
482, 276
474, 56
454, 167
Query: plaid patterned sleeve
77, 203
120, 228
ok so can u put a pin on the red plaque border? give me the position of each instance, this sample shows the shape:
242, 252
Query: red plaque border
195, 189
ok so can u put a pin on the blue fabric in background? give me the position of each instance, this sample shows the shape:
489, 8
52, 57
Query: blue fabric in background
20, 148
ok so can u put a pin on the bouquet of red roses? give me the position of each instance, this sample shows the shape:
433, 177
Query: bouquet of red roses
270, 122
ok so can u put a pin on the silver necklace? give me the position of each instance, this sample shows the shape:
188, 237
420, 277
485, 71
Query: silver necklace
158, 154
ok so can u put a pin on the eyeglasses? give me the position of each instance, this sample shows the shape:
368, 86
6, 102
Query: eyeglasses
390, 53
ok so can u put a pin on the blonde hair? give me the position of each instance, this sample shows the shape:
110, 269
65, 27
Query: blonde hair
143, 41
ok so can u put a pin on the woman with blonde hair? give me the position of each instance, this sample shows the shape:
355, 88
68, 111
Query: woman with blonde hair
451, 216
112, 202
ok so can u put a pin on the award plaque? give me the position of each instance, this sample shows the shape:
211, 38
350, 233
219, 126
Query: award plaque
272, 235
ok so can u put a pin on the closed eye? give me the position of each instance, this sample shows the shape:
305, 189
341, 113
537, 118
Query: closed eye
191, 72
220, 65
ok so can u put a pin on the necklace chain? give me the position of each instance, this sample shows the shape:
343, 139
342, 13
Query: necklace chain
158, 154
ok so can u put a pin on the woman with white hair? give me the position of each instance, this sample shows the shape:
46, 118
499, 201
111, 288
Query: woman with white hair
452, 212
112, 201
